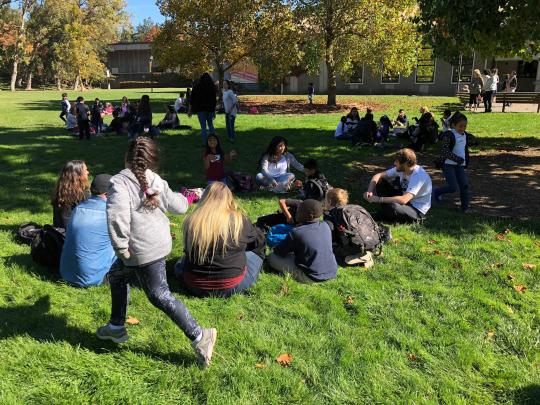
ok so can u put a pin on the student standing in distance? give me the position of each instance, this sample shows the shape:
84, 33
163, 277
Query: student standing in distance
82, 118
230, 104
138, 200
65, 106
477, 83
306, 253
487, 95
310, 93
455, 158
203, 103
224, 251
403, 191
71, 189
87, 254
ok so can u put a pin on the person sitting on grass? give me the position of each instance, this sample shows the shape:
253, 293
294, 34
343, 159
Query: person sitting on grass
180, 104
347, 125
223, 251
306, 253
170, 120
137, 206
315, 187
71, 189
87, 254
365, 131
403, 191
214, 160
275, 172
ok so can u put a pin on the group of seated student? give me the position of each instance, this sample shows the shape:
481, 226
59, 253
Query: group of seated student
363, 131
117, 228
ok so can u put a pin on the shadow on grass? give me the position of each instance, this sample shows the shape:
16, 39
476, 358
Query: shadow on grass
34, 320
527, 395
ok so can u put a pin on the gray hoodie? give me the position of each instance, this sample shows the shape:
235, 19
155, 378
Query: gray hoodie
144, 233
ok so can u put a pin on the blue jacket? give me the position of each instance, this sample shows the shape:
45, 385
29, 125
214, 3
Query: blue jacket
311, 244
87, 254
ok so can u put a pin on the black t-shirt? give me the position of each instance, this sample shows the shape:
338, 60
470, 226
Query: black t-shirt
231, 264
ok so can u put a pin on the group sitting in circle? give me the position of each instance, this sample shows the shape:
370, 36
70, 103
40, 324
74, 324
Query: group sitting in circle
117, 227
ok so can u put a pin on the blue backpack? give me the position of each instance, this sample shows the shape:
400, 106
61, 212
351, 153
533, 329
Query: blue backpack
277, 234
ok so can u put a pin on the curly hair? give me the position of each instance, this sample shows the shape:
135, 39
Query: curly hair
143, 154
71, 185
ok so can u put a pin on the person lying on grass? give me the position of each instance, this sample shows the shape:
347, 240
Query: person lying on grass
403, 191
223, 251
306, 253
138, 200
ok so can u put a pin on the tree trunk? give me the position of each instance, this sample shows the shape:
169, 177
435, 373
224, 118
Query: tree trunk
14, 73
29, 82
331, 74
76, 84
58, 83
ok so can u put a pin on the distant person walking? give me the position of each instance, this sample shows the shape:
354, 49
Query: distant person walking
310, 93
230, 105
477, 83
65, 106
203, 103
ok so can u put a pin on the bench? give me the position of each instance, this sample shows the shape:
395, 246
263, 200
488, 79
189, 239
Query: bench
503, 97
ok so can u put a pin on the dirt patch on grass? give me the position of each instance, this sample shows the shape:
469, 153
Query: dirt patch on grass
300, 105
503, 183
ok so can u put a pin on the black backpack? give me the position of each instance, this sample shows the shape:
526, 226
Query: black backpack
46, 247
355, 231
27, 232
316, 188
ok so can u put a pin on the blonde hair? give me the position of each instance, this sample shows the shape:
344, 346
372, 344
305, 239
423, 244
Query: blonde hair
477, 73
336, 197
215, 223
425, 109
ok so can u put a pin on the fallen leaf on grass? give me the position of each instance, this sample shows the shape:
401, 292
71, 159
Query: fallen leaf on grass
132, 321
284, 359
528, 266
490, 334
510, 310
510, 276
412, 356
457, 265
240, 317
173, 236
520, 288
437, 252
432, 242
449, 256
260, 365
497, 265
396, 241
350, 300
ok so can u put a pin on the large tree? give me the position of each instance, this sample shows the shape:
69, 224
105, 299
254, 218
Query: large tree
378, 34
498, 27
205, 35
25, 7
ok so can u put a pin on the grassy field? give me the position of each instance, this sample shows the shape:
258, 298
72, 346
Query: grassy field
437, 320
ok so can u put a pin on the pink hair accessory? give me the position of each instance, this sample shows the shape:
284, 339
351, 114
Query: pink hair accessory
149, 192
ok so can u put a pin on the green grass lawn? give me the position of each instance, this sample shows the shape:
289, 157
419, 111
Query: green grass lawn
437, 320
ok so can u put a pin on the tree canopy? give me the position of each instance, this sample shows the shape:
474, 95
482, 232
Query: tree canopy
499, 27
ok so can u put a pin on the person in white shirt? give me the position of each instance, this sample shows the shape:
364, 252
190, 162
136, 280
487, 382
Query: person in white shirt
179, 104
404, 191
347, 125
490, 88
230, 105
276, 162
454, 158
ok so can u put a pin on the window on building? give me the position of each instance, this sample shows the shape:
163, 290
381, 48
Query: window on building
357, 74
425, 66
467, 63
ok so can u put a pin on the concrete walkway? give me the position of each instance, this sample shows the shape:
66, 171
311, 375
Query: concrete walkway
497, 107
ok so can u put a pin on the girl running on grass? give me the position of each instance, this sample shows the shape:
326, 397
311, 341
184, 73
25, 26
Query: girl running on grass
138, 200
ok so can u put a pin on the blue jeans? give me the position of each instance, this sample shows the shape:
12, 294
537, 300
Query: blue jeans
229, 123
283, 180
153, 279
254, 265
206, 117
456, 178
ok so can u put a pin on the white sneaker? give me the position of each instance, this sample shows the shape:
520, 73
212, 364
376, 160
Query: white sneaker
365, 261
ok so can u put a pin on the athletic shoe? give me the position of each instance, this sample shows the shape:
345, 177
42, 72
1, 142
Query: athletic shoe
116, 335
205, 346
366, 260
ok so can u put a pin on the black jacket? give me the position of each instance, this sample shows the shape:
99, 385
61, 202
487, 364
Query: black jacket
448, 142
203, 99
231, 264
